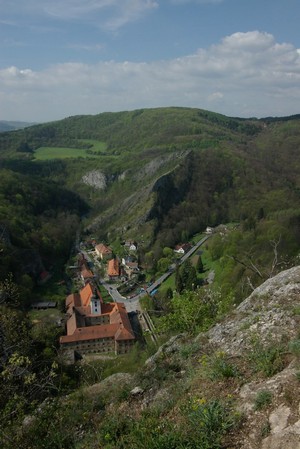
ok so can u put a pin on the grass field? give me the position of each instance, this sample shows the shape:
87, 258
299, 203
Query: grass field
51, 316
46, 153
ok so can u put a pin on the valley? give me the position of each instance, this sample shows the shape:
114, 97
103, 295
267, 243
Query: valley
190, 218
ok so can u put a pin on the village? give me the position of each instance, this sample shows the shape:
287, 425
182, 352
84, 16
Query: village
99, 317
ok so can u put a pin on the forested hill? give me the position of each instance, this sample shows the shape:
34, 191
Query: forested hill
158, 177
162, 175
136, 130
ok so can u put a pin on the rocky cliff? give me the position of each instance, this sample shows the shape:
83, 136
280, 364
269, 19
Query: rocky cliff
250, 361
235, 386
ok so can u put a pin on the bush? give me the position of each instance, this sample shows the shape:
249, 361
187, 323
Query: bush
209, 421
220, 368
294, 347
262, 400
267, 360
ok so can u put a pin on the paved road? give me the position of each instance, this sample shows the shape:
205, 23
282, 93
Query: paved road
172, 268
133, 304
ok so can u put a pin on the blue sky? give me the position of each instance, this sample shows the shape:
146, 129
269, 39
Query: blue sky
66, 57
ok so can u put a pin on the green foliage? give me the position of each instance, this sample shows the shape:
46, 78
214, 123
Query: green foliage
57, 426
162, 265
265, 429
121, 432
170, 172
191, 311
243, 260
218, 367
225, 176
202, 424
199, 266
267, 360
209, 422
48, 153
40, 218
263, 399
9, 292
185, 277
168, 252
24, 148
188, 350
294, 347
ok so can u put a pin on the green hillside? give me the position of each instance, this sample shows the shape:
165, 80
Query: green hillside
165, 174
159, 177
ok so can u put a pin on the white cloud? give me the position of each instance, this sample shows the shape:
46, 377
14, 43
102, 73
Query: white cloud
129, 11
90, 48
246, 74
110, 14
215, 96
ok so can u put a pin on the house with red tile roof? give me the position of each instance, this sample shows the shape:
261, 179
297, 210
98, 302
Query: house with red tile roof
93, 326
85, 273
103, 251
113, 269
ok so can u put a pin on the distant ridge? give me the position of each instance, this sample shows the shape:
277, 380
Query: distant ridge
11, 126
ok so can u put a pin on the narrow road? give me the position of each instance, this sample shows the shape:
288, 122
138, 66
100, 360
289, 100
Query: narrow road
133, 304
172, 268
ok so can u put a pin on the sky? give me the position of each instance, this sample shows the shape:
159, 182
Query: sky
60, 58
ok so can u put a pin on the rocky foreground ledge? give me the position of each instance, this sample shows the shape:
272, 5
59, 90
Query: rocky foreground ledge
249, 363
269, 316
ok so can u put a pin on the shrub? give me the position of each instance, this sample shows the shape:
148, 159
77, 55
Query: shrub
294, 347
188, 350
267, 360
263, 399
209, 421
220, 368
265, 429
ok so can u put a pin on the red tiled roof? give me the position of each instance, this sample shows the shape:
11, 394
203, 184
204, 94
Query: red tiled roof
184, 246
70, 300
113, 268
119, 315
107, 307
103, 249
91, 333
81, 301
85, 295
119, 327
85, 272
71, 324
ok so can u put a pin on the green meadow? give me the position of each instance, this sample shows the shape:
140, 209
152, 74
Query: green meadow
46, 153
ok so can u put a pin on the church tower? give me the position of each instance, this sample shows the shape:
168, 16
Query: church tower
95, 304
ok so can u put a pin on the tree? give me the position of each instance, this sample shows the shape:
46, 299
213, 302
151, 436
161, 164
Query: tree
24, 148
14, 333
178, 280
9, 292
188, 276
200, 268
261, 214
168, 252
192, 311
162, 264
